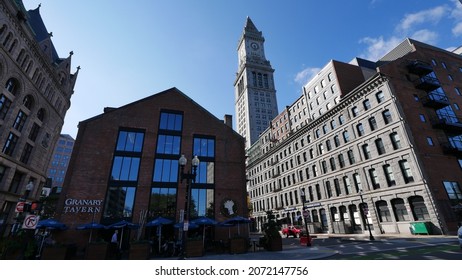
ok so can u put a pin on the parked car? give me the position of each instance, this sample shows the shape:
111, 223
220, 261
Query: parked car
291, 231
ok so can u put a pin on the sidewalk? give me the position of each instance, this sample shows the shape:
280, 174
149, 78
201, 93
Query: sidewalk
292, 250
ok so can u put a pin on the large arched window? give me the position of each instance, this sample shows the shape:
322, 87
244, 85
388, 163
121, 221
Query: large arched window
28, 102
41, 114
418, 208
12, 86
383, 211
399, 210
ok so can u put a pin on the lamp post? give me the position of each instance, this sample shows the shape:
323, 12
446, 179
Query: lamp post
308, 239
364, 215
190, 177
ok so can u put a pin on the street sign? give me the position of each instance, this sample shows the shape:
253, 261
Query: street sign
30, 222
19, 207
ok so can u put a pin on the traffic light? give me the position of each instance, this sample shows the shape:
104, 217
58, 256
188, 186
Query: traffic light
36, 206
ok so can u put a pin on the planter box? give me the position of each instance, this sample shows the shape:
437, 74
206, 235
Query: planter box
275, 244
97, 251
139, 251
238, 245
54, 253
194, 248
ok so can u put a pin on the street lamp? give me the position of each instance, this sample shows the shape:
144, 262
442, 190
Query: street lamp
189, 176
364, 214
308, 239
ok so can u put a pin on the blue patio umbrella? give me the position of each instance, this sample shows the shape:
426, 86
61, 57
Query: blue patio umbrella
237, 220
90, 226
204, 221
159, 221
123, 224
51, 224
191, 225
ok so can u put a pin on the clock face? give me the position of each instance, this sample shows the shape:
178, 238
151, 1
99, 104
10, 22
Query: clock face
254, 46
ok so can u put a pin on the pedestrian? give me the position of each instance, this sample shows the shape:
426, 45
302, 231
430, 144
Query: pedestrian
115, 245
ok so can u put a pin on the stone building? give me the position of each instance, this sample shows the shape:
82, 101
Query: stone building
36, 89
385, 153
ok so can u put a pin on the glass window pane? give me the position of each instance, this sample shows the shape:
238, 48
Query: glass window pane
178, 122
158, 170
211, 148
121, 141
134, 169
138, 142
115, 175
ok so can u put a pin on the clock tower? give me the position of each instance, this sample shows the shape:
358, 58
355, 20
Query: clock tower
255, 95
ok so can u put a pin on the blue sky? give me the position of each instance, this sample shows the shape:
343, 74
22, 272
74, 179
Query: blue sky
129, 50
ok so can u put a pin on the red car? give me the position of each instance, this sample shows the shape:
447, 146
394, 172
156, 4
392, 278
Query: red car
291, 231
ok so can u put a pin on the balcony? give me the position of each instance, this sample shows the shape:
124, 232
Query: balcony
419, 68
435, 101
447, 123
427, 83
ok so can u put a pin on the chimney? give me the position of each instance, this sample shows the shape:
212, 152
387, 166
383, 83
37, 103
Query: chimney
229, 120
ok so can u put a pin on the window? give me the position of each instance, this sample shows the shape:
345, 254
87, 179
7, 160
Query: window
457, 91
28, 102
374, 178
171, 121
453, 191
399, 210
10, 144
418, 208
380, 146
450, 78
41, 114
357, 180
347, 183
456, 106
430, 141
341, 119
387, 116
389, 175
346, 136
168, 144
202, 202
321, 149
422, 118
355, 111
444, 65
5, 105
324, 166
205, 148
380, 96
351, 157
406, 170
165, 170
366, 151
333, 124
332, 163
336, 141
328, 189
26, 153
341, 160
125, 168
163, 202
12, 86
129, 141
20, 121
119, 202
325, 129
395, 141
383, 212
367, 104
360, 129
338, 190
373, 123
328, 145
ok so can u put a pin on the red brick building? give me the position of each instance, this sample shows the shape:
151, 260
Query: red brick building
124, 166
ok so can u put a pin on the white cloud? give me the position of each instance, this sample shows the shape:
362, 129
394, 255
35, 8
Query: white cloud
410, 21
456, 13
306, 75
378, 47
457, 30
425, 36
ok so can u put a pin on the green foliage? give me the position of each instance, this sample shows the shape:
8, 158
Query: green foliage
271, 227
